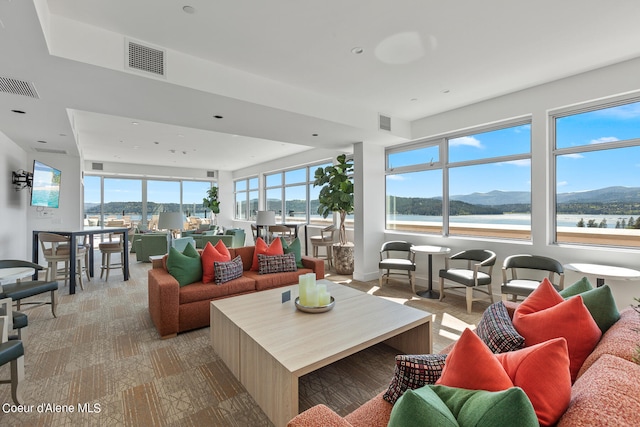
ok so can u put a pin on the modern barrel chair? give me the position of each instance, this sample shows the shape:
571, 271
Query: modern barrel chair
22, 289
12, 351
469, 270
522, 274
396, 257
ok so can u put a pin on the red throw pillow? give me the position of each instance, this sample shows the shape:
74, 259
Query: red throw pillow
471, 365
544, 315
542, 371
275, 248
210, 254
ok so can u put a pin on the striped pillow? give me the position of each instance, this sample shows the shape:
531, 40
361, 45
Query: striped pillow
276, 263
497, 331
412, 372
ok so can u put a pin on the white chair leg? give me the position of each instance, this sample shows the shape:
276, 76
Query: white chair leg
469, 298
441, 289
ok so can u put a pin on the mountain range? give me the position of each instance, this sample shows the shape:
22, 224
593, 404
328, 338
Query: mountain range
601, 195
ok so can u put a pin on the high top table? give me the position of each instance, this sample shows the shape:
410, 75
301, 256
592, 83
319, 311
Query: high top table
430, 251
268, 345
73, 235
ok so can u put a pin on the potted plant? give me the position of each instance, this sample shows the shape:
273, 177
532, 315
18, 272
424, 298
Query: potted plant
212, 203
336, 195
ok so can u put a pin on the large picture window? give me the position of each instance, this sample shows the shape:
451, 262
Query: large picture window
597, 175
471, 184
246, 195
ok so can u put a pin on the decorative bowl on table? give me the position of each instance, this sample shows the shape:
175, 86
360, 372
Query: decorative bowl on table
315, 309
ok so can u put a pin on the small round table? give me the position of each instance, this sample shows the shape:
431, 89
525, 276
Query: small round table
602, 272
430, 250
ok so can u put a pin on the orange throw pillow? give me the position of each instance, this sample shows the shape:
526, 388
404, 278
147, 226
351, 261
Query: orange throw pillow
275, 248
542, 371
544, 315
210, 254
471, 365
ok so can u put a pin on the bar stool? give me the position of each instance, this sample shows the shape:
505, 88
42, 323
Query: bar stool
56, 248
325, 239
108, 248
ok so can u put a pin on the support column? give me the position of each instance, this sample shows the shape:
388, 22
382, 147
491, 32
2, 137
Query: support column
369, 214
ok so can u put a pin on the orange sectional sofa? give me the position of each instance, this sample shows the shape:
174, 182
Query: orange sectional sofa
175, 309
606, 391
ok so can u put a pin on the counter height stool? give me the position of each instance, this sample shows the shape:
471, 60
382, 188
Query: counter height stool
109, 248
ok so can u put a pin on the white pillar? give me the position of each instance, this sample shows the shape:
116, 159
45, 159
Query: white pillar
369, 213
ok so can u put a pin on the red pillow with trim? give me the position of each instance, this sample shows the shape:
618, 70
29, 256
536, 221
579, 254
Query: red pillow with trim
210, 254
544, 315
542, 371
471, 365
275, 248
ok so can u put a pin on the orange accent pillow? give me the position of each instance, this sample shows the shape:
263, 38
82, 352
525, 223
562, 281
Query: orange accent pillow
471, 365
542, 371
275, 248
544, 315
210, 254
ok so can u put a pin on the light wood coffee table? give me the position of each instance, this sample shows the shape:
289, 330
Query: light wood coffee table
269, 345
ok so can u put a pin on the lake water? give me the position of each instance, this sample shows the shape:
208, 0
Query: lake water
511, 219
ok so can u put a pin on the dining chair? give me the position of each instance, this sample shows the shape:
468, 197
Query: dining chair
396, 257
281, 231
522, 274
469, 270
22, 289
12, 352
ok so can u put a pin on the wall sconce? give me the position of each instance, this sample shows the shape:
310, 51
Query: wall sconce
21, 179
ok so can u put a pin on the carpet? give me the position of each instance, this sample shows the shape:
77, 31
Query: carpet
101, 362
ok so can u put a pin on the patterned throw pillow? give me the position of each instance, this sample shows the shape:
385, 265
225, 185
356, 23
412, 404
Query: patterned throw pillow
497, 331
226, 271
412, 372
276, 263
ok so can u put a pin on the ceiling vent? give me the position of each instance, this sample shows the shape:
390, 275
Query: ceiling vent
145, 58
18, 87
50, 151
385, 122
212, 174
97, 166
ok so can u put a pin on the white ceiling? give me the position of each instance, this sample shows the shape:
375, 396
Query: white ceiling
280, 71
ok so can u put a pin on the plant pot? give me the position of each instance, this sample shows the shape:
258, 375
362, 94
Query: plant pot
343, 258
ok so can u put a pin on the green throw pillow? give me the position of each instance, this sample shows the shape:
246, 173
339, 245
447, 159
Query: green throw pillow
294, 248
508, 407
602, 306
186, 267
440, 405
421, 407
582, 285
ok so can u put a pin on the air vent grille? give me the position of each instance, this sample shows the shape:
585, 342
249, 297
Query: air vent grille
97, 166
211, 174
18, 87
385, 123
50, 150
145, 58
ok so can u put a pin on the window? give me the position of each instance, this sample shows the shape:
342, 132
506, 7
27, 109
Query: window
292, 196
597, 174
487, 175
246, 195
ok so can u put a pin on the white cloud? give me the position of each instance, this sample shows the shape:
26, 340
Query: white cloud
396, 178
574, 156
604, 139
468, 141
520, 163
562, 183
629, 111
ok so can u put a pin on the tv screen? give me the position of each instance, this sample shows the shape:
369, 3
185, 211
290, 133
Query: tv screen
45, 189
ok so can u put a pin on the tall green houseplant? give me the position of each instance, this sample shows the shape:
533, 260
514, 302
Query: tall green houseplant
336, 195
211, 202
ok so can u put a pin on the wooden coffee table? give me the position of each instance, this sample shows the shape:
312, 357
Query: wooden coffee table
269, 345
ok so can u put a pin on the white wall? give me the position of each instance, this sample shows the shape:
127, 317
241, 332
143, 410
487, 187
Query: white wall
14, 241
606, 82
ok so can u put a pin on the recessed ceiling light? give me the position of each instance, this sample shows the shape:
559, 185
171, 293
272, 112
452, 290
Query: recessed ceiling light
414, 99
63, 134
218, 117
357, 50
314, 134
189, 9
135, 123
156, 142
42, 141
446, 91
18, 111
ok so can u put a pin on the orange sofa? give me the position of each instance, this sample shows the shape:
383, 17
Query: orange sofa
606, 392
175, 309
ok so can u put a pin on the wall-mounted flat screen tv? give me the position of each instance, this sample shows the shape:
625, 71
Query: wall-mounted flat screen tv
45, 189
